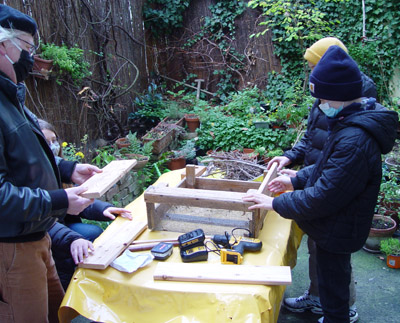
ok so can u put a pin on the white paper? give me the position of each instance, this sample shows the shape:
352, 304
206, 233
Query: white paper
129, 261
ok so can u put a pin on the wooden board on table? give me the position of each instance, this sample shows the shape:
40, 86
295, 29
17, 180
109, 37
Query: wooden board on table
217, 273
100, 183
105, 253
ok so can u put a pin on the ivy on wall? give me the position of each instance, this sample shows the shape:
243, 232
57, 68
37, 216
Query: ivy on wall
296, 25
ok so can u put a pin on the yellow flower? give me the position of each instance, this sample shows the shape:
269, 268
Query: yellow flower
80, 155
64, 144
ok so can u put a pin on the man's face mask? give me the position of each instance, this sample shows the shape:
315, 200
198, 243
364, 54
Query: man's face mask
24, 64
330, 111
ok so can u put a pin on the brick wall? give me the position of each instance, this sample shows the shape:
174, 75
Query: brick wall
124, 191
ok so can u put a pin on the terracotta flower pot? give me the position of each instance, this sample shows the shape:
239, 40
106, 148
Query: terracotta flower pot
42, 67
377, 235
122, 143
176, 163
192, 121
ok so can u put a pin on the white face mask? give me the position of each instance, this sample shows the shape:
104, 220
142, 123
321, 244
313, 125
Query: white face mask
329, 111
55, 148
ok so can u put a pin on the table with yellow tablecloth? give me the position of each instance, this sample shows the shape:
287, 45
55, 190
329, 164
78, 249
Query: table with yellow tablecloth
113, 296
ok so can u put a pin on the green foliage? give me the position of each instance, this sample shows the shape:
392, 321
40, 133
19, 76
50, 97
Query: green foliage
150, 106
292, 24
390, 246
286, 97
229, 133
296, 25
69, 60
163, 17
136, 146
244, 102
73, 153
104, 156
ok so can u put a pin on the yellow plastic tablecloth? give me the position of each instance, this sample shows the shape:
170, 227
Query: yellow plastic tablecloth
113, 296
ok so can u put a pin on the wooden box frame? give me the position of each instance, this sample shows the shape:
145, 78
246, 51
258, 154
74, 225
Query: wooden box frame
207, 193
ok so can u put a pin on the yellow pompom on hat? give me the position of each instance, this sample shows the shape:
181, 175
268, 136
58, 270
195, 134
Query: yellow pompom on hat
318, 49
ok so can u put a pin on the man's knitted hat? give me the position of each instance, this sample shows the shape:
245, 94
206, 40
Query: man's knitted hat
318, 49
336, 77
13, 19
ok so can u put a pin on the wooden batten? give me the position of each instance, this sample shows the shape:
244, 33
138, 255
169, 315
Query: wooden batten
218, 273
100, 183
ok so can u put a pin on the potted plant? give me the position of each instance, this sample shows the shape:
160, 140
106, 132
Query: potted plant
175, 114
192, 121
176, 159
136, 150
391, 248
381, 227
67, 60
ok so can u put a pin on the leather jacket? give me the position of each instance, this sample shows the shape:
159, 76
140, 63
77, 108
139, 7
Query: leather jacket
30, 181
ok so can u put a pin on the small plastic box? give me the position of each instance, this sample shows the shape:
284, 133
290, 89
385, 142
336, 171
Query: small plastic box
162, 251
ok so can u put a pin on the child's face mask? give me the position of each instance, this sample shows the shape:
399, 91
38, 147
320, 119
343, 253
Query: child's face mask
55, 148
329, 111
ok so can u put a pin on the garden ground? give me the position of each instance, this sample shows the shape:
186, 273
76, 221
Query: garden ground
377, 287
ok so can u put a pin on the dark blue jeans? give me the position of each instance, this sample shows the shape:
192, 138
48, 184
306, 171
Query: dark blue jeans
89, 231
334, 274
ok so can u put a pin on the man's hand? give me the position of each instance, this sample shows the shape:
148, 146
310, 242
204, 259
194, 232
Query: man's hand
281, 160
262, 201
280, 184
80, 249
83, 172
77, 203
109, 213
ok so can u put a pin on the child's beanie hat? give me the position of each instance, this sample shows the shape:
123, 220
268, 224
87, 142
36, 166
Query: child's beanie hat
336, 77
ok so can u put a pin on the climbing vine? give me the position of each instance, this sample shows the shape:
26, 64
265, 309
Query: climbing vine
296, 25
162, 17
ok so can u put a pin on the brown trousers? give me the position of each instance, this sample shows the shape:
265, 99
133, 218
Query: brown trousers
30, 290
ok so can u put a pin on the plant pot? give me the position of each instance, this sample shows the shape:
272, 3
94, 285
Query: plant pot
122, 143
192, 121
249, 153
42, 67
393, 261
140, 159
392, 165
176, 163
261, 124
377, 235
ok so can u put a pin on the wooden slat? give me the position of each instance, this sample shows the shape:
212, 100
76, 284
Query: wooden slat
196, 197
217, 273
199, 170
190, 176
101, 182
225, 184
263, 189
105, 253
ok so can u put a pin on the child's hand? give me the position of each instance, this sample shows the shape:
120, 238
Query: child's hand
80, 249
109, 213
262, 201
280, 184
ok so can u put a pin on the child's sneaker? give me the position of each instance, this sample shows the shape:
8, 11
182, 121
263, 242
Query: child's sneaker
302, 303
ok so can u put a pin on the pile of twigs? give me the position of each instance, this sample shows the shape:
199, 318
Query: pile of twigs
233, 165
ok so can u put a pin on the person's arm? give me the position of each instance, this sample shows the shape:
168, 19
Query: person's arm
333, 190
103, 211
67, 242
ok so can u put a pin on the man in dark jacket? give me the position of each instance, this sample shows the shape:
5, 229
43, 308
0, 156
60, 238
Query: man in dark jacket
334, 200
307, 151
30, 181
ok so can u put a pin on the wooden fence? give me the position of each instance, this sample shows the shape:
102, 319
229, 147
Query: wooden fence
132, 59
